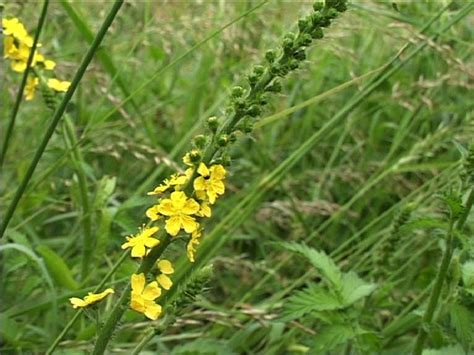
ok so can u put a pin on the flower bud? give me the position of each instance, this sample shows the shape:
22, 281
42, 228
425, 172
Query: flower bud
317, 33
303, 25
275, 86
237, 91
293, 64
318, 6
195, 156
222, 140
254, 111
305, 40
299, 55
200, 141
270, 56
213, 123
253, 79
258, 70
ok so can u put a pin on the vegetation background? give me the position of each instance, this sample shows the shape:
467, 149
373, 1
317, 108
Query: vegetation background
400, 147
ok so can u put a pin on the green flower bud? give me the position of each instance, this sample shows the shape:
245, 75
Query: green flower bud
270, 56
305, 40
254, 111
332, 13
200, 141
258, 70
325, 21
222, 140
293, 64
299, 55
237, 91
317, 33
316, 19
247, 125
253, 79
303, 24
318, 6
338, 5
275, 86
288, 45
195, 156
213, 123
240, 104
232, 137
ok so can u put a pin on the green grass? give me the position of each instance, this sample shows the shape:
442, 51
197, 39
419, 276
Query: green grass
331, 164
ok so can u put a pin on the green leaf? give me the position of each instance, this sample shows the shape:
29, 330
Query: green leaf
467, 271
354, 288
462, 322
105, 189
454, 203
320, 261
447, 350
332, 336
57, 268
313, 298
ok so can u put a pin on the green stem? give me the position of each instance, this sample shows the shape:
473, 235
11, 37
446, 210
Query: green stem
79, 312
78, 161
19, 95
435, 293
148, 336
58, 114
120, 307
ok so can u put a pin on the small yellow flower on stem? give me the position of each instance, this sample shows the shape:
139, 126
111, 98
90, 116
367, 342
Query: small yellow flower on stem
90, 299
176, 180
179, 209
210, 182
166, 268
141, 241
30, 88
60, 86
143, 296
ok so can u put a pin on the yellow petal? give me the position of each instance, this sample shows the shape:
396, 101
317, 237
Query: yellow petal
138, 283
164, 281
138, 251
165, 266
151, 291
153, 213
49, 64
189, 224
153, 311
77, 302
203, 170
173, 225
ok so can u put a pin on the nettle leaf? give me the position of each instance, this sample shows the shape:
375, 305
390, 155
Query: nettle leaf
454, 203
331, 336
463, 323
320, 261
451, 350
354, 288
57, 268
311, 299
467, 271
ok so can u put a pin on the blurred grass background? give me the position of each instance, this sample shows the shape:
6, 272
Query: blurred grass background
401, 145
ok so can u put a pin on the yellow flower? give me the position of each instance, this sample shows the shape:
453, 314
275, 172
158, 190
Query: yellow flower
91, 298
143, 297
190, 248
188, 157
164, 281
15, 28
58, 85
141, 241
176, 180
210, 181
179, 209
49, 64
30, 88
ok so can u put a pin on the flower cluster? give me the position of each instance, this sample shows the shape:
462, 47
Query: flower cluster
17, 45
183, 199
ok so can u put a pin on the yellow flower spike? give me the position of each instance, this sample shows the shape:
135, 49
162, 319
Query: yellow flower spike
164, 281
57, 85
165, 266
141, 241
179, 209
210, 181
143, 296
13, 27
90, 299
30, 88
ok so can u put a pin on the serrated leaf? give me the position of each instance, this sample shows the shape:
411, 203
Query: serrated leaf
320, 261
467, 271
462, 322
424, 223
311, 299
332, 336
451, 350
453, 202
57, 268
354, 288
